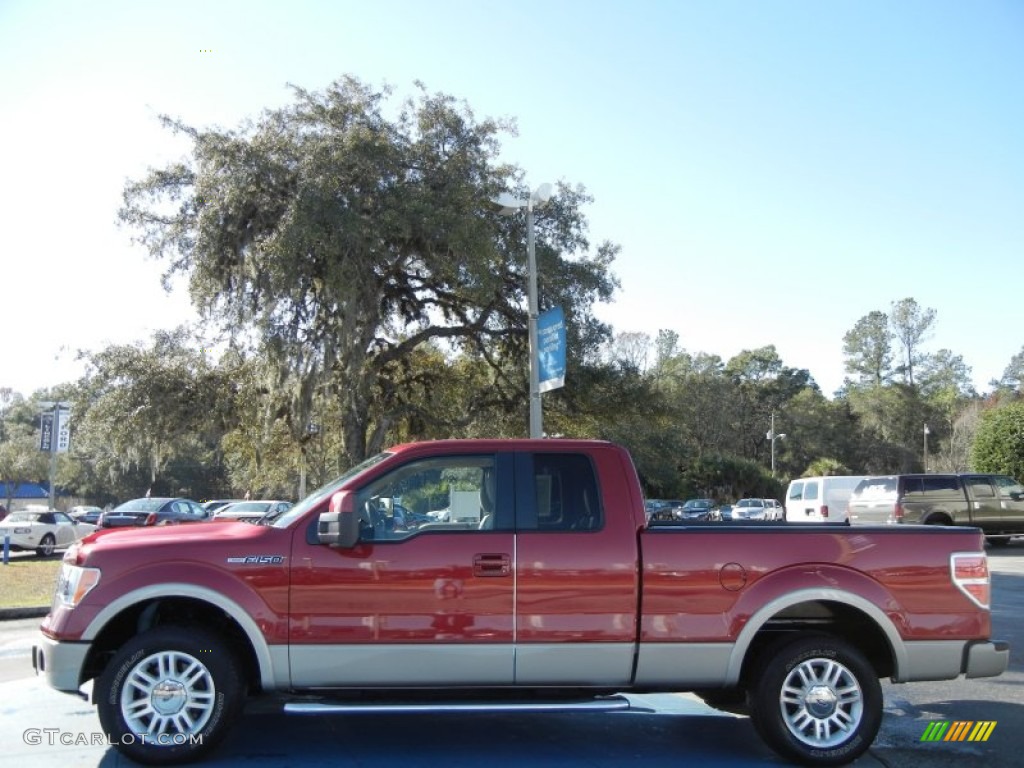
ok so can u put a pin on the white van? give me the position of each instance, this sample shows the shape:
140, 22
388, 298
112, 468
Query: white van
820, 499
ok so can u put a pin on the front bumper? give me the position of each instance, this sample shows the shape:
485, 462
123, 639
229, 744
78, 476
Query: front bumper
60, 663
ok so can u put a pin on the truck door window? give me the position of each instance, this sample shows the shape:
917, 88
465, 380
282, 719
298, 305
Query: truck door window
448, 494
565, 493
1008, 487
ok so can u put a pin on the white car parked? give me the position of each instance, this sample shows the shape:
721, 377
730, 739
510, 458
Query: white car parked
773, 510
757, 509
748, 509
44, 530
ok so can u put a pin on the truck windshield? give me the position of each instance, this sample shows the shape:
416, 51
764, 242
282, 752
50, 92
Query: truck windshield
320, 494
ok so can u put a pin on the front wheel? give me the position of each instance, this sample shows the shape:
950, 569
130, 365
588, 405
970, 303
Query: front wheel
170, 695
817, 701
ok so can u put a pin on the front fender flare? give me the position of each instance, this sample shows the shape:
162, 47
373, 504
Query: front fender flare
171, 589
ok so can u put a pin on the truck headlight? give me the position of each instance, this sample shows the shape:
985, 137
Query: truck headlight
75, 582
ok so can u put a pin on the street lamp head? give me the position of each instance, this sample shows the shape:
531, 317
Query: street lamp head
506, 204
541, 195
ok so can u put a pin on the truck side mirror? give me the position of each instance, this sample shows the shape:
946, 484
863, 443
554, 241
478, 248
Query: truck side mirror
339, 526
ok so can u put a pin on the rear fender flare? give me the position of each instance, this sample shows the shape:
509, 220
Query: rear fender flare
817, 594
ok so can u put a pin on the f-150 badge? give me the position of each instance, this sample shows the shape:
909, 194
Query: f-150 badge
257, 560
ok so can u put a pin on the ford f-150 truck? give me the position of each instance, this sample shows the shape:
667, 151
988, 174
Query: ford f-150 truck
512, 574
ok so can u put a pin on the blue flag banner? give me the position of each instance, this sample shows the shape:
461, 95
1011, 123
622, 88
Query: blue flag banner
551, 349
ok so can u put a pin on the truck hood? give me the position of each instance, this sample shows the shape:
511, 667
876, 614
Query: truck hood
188, 541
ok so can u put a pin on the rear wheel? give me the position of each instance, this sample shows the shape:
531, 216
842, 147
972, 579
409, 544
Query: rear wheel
47, 546
170, 695
997, 541
817, 701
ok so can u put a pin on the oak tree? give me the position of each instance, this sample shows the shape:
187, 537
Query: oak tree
340, 234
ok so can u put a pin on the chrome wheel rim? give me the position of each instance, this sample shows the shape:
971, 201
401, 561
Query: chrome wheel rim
48, 545
822, 703
168, 696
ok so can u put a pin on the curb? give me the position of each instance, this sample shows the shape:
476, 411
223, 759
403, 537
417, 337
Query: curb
9, 614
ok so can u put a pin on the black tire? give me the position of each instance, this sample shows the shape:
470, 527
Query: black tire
997, 541
47, 546
817, 701
198, 697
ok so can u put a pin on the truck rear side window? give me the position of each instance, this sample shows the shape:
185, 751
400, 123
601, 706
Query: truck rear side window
944, 484
565, 494
981, 488
912, 486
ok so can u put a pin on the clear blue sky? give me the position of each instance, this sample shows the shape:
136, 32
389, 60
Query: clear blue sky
772, 170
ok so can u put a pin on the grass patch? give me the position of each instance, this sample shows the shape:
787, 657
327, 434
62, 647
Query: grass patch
28, 582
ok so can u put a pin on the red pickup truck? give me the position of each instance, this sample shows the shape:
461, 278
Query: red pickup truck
511, 574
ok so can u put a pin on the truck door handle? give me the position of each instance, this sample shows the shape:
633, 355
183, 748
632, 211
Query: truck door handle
492, 565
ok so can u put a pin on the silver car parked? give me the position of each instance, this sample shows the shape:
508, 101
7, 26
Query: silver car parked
749, 509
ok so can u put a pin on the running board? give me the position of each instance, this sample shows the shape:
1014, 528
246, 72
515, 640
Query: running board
605, 704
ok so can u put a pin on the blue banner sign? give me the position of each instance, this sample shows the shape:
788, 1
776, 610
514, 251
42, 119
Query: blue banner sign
551, 349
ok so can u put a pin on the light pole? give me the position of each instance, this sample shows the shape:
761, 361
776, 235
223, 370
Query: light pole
926, 433
507, 205
772, 436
